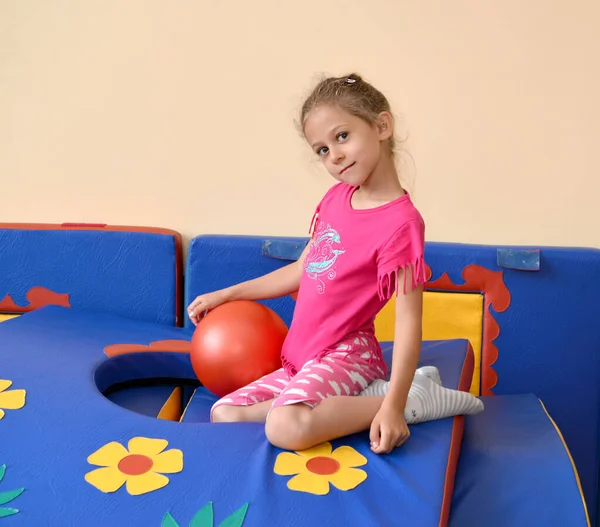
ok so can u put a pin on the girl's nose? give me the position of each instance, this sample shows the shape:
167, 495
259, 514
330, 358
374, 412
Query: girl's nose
337, 155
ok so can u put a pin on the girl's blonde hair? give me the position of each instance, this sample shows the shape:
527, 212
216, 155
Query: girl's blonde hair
352, 94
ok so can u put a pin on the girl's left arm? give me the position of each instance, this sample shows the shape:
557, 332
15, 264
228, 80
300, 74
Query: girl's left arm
389, 428
408, 335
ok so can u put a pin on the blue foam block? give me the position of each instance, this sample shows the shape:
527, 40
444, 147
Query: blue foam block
55, 354
548, 340
215, 262
514, 469
548, 337
132, 274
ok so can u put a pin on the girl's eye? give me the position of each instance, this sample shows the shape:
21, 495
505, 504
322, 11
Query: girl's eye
342, 136
322, 151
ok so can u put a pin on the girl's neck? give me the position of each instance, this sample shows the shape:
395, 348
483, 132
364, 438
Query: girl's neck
382, 186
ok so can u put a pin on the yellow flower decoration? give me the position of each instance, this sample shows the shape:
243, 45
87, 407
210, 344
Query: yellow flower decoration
141, 466
317, 467
11, 399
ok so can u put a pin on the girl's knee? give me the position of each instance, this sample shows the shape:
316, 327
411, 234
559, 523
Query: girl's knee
288, 427
226, 414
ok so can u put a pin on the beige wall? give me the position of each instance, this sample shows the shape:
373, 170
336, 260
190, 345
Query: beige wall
180, 114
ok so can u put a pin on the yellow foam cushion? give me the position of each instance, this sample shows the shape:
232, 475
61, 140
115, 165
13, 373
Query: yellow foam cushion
171, 410
7, 317
445, 316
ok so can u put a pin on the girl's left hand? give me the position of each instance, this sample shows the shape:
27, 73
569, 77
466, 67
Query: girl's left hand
388, 430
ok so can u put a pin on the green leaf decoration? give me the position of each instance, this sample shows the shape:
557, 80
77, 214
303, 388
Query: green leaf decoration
236, 519
10, 495
4, 512
7, 496
204, 517
169, 521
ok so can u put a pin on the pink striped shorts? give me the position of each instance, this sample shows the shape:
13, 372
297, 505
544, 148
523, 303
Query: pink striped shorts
347, 369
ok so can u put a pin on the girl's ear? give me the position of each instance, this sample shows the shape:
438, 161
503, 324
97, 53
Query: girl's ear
385, 125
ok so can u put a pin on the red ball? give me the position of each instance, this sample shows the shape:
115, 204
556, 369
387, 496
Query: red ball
236, 344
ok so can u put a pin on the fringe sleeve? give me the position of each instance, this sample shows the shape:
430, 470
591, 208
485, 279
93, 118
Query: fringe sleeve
404, 251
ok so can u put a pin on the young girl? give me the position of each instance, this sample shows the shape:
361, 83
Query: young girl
367, 243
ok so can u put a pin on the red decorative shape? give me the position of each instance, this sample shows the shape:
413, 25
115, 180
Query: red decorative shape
37, 297
495, 294
322, 465
135, 464
175, 346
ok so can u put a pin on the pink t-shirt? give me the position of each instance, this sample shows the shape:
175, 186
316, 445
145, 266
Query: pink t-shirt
351, 271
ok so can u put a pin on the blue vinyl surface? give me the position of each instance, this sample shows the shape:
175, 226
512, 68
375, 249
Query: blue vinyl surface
56, 355
549, 340
130, 274
514, 469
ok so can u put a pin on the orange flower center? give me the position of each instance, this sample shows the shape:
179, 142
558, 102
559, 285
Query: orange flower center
322, 465
135, 464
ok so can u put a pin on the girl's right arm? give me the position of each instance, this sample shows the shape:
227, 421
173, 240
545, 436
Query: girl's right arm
280, 282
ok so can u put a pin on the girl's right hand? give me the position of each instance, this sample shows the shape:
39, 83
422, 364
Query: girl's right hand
204, 303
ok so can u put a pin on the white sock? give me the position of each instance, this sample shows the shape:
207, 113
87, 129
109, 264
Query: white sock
428, 401
432, 372
380, 387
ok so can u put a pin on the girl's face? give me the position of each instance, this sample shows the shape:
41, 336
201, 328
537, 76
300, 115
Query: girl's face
349, 147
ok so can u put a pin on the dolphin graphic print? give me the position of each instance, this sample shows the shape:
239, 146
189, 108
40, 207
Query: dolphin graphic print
322, 257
